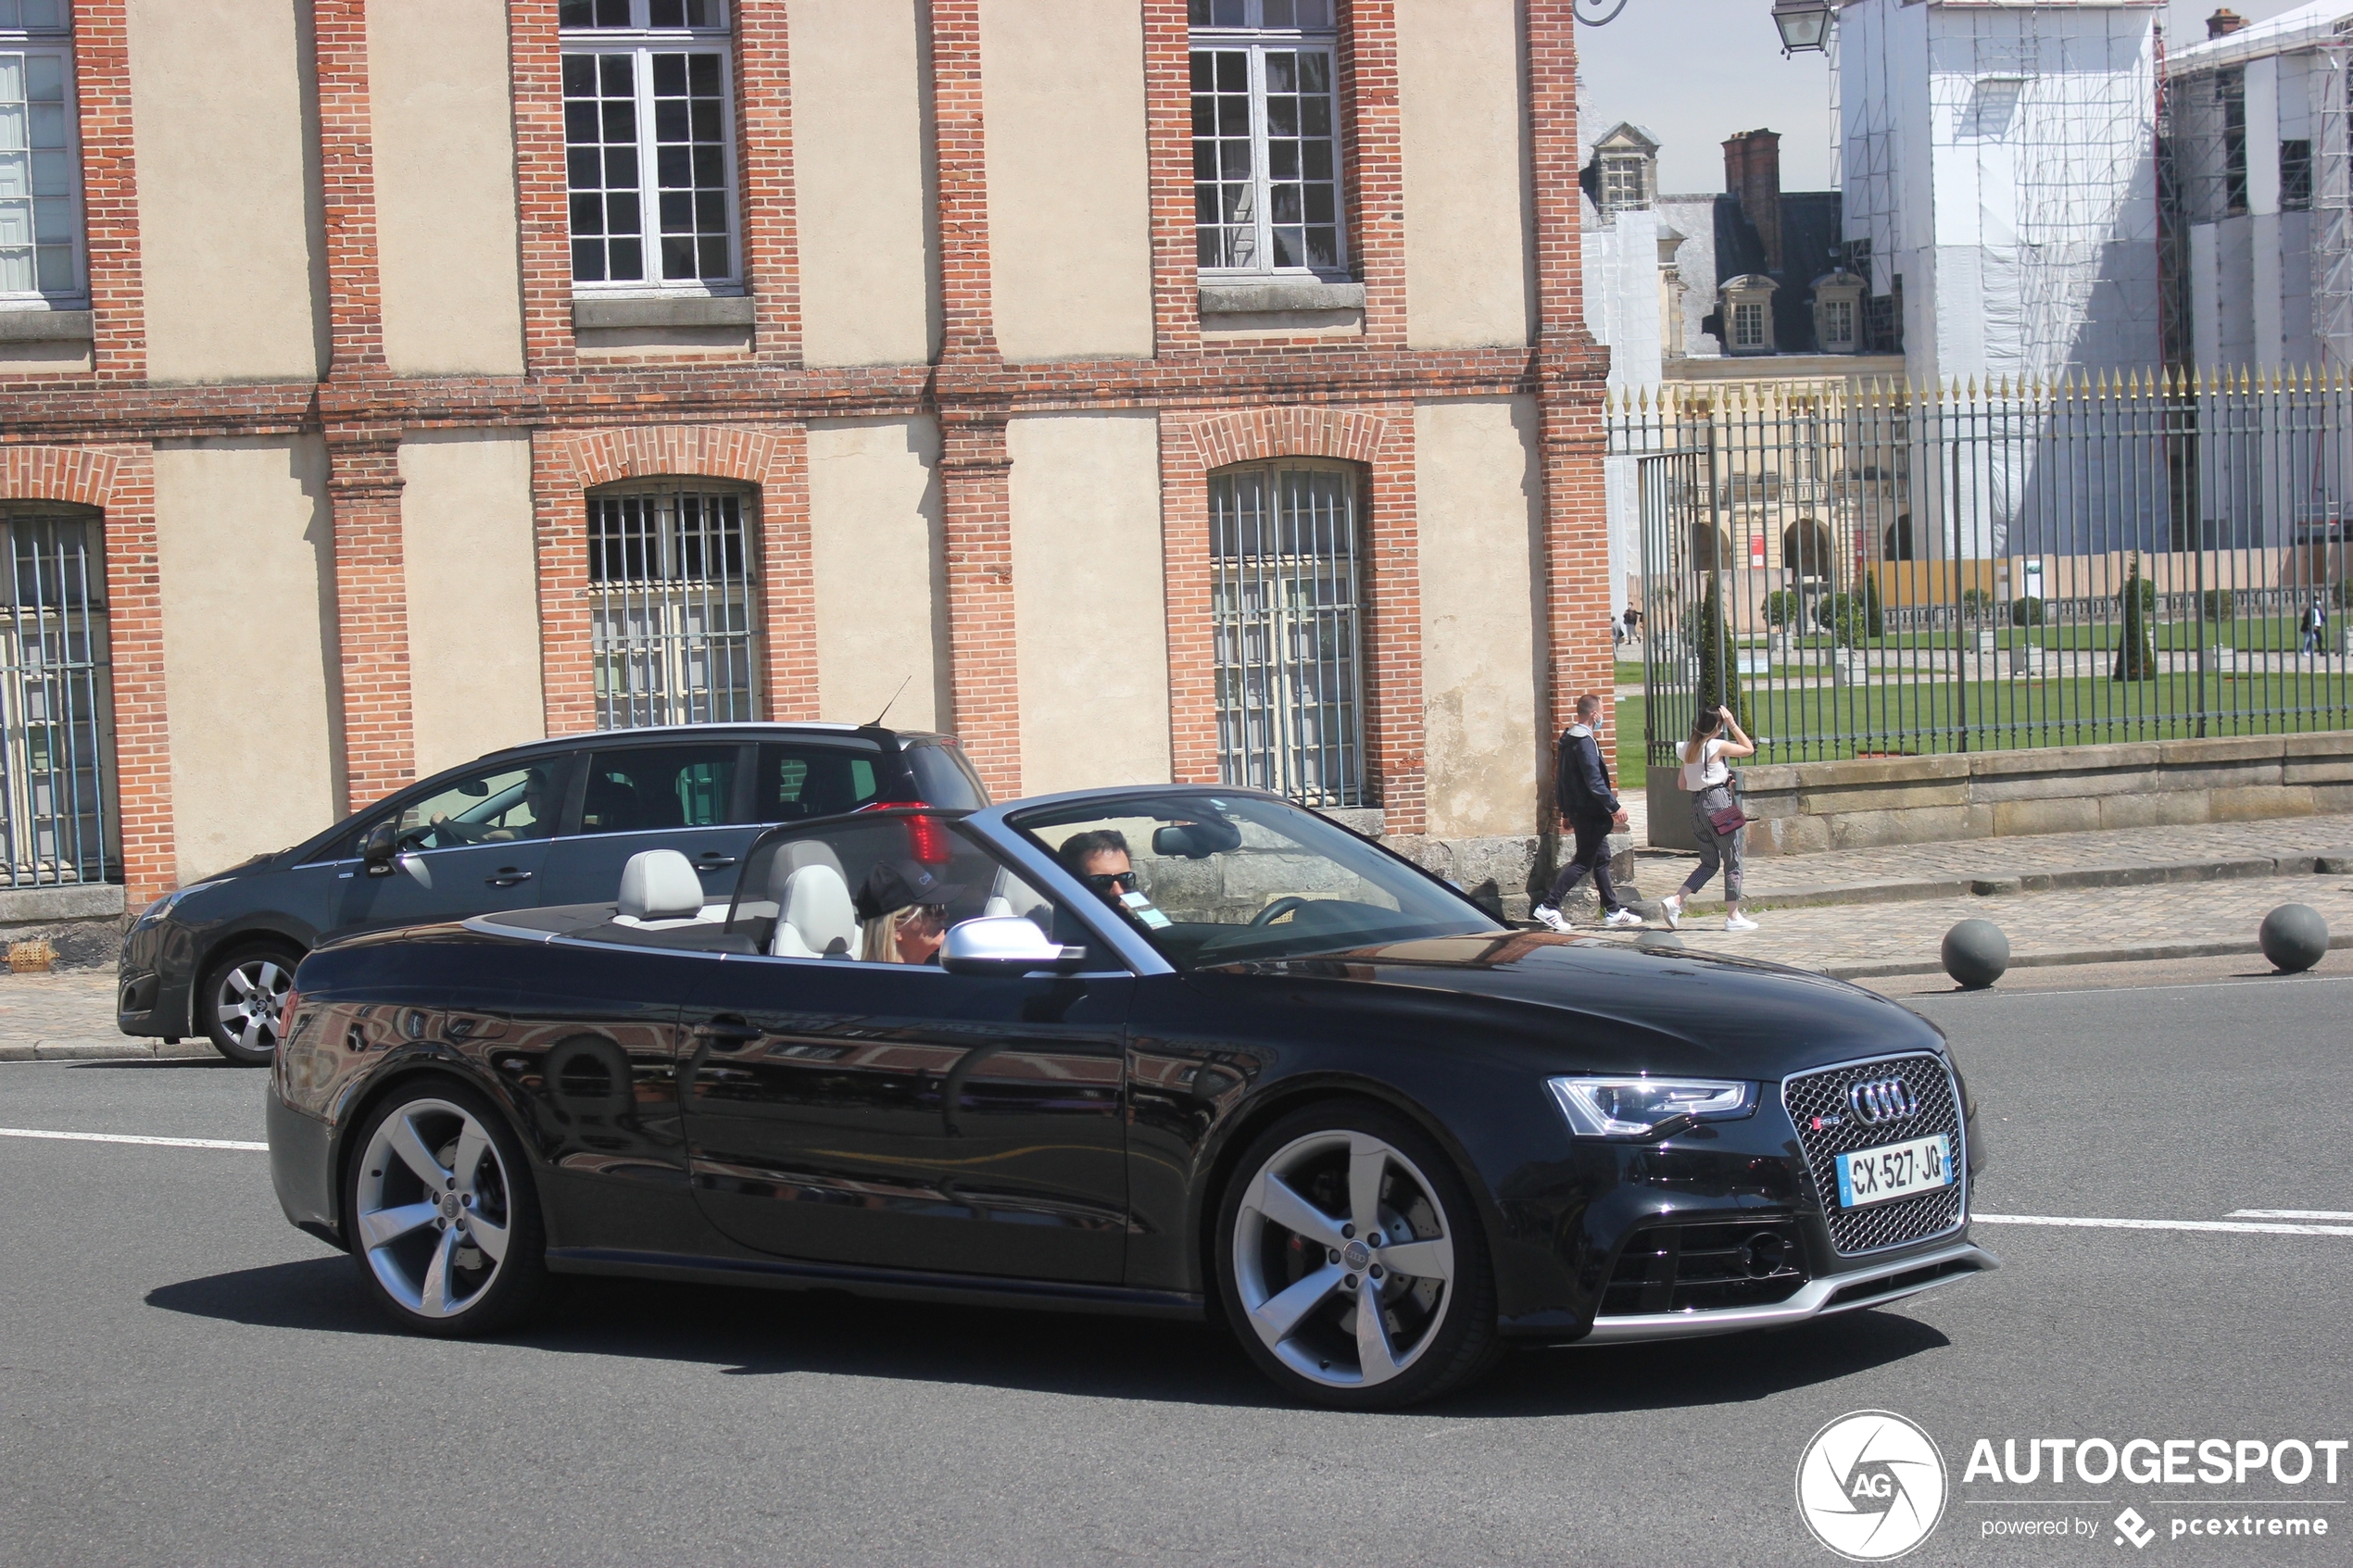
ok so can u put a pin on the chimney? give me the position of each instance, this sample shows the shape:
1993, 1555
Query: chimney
2224, 22
1752, 173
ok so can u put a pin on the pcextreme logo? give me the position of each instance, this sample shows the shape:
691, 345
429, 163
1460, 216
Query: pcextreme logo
1871, 1485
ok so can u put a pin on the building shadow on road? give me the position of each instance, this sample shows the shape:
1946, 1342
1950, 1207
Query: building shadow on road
766, 1334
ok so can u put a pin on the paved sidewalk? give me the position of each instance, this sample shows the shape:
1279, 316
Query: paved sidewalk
69, 1017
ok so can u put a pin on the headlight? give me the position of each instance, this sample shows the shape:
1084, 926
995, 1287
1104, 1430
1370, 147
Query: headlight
1636, 1108
163, 906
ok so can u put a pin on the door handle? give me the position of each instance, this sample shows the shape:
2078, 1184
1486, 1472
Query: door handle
712, 860
728, 1034
507, 877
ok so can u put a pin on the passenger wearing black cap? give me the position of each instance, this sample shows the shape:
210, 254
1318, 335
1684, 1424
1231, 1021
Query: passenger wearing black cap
903, 913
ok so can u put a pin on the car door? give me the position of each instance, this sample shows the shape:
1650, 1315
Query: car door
894, 1115
468, 846
693, 797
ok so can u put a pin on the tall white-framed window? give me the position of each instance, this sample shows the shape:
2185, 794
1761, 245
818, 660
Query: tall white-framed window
1266, 174
650, 145
42, 258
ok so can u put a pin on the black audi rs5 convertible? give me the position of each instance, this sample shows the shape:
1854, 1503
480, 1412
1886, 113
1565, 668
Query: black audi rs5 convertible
1176, 1050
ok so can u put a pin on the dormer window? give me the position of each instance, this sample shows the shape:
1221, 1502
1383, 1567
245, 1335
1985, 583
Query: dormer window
1838, 313
1748, 314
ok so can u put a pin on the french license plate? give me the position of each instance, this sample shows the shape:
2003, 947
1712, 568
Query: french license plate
1896, 1170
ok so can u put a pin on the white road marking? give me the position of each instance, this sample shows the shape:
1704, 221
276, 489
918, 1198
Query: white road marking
2257, 1227
2289, 1214
131, 1137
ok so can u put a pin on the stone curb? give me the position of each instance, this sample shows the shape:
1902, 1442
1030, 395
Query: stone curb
97, 1049
2338, 863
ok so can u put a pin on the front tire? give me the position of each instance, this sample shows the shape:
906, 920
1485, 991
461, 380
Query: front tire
239, 999
1343, 1207
442, 1214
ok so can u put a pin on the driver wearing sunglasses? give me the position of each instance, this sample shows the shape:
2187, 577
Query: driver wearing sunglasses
1101, 860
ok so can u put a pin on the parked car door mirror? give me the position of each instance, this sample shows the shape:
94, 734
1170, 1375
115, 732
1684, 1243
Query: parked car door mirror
377, 849
1006, 944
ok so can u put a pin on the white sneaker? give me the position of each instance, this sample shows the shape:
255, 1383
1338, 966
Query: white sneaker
1739, 923
1550, 916
1623, 919
1671, 911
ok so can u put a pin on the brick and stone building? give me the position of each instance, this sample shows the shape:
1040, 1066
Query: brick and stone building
1136, 389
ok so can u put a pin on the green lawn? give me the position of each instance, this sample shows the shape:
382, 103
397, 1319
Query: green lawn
1816, 723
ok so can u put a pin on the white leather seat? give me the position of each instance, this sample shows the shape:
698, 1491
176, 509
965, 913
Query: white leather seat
813, 912
658, 889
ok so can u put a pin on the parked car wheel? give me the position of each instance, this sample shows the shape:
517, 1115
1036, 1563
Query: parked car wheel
443, 1217
240, 998
1351, 1260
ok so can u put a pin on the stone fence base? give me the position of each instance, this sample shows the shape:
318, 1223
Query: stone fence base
83, 923
1802, 808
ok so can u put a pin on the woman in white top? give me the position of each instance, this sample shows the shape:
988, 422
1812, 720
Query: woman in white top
1705, 774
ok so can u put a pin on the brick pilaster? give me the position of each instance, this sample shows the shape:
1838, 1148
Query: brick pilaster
1571, 369
789, 581
975, 469
543, 216
764, 166
1372, 152
984, 668
109, 190
1168, 129
372, 611
1390, 535
347, 187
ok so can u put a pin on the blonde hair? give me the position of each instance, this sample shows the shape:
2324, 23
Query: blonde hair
878, 938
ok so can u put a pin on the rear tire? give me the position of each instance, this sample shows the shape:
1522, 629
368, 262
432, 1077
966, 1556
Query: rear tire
442, 1214
239, 997
1338, 1205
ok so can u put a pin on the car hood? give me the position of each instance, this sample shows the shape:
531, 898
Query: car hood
1609, 1005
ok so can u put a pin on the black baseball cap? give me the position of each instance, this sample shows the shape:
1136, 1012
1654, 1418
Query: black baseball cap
894, 885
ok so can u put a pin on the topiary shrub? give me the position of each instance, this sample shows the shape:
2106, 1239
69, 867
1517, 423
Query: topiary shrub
2136, 651
1874, 615
1975, 603
2026, 610
1845, 618
2141, 589
2343, 593
1781, 607
1719, 671
2218, 605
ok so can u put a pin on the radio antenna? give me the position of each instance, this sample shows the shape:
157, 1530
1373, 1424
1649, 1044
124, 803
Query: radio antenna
875, 722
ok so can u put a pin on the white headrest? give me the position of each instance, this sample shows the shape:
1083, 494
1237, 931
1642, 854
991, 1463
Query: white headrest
659, 885
816, 911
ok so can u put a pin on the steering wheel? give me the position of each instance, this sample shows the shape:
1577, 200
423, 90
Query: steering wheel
1278, 910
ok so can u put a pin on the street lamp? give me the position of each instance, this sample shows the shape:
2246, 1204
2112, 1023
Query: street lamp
1803, 24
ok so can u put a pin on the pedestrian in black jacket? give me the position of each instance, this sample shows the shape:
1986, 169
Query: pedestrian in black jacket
1588, 808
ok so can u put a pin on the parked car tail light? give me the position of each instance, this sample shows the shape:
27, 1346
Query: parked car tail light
928, 839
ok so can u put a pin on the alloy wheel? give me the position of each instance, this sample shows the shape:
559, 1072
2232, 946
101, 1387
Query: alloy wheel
433, 1214
250, 1000
1343, 1259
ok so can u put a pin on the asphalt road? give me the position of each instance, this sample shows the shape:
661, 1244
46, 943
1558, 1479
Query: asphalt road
185, 1379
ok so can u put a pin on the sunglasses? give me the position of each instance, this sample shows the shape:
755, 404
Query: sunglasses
1109, 882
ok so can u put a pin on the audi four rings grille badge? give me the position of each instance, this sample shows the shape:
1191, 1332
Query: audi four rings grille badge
1882, 1100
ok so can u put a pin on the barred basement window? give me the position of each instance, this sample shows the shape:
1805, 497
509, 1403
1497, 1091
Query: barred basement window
649, 148
56, 715
41, 249
1284, 606
1266, 138
673, 605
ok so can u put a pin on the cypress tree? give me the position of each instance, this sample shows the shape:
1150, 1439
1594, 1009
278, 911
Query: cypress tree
1874, 616
2136, 651
1719, 671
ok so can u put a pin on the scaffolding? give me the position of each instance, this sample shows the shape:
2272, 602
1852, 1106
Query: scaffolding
2332, 197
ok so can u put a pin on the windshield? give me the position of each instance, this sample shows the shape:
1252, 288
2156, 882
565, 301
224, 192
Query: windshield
1211, 878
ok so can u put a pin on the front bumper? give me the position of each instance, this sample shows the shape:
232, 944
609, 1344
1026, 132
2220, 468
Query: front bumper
1875, 1286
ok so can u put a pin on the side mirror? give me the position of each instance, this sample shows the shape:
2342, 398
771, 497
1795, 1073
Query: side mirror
378, 849
1006, 944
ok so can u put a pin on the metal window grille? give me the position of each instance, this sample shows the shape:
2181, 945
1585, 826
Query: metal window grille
1285, 606
56, 716
674, 621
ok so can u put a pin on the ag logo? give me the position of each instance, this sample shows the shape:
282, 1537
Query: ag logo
1870, 1485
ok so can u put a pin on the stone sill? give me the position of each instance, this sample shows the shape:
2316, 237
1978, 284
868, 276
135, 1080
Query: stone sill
1258, 300
46, 326
592, 314
86, 900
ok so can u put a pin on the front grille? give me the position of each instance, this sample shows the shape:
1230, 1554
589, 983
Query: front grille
1705, 1268
1901, 1220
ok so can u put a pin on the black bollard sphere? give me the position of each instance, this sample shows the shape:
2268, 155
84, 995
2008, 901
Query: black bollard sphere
1976, 953
2293, 937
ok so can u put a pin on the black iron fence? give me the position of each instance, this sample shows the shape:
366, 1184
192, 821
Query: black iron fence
1887, 569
